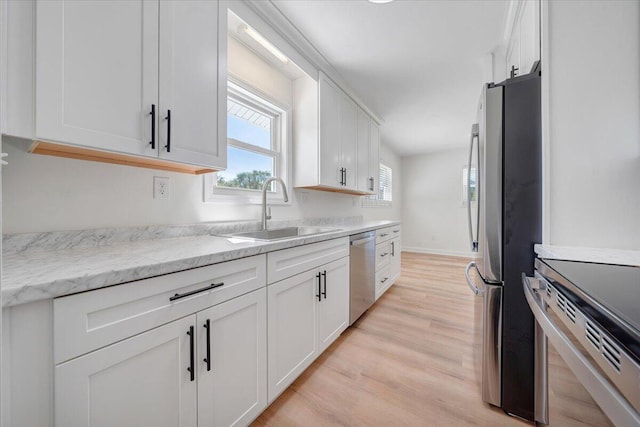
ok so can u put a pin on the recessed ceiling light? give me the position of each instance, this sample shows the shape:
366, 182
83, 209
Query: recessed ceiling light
380, 1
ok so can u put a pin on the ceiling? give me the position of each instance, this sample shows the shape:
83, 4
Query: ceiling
418, 64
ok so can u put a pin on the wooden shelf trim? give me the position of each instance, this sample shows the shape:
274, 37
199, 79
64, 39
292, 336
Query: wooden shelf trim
71, 152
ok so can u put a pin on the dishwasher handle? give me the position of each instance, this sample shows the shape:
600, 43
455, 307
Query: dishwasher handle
361, 242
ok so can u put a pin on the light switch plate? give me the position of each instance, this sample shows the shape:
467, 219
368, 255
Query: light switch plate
161, 187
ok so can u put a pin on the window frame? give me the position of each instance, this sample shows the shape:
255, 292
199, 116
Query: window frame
374, 200
254, 98
465, 171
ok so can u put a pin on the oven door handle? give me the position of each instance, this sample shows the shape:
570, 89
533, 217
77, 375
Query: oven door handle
612, 403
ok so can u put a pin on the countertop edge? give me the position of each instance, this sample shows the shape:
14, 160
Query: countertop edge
46, 289
582, 254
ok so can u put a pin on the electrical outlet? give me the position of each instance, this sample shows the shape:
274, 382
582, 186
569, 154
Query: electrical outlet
161, 187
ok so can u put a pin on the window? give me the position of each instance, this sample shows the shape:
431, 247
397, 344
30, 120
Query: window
472, 181
256, 147
385, 186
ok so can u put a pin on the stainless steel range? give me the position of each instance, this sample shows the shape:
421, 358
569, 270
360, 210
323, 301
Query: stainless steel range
587, 343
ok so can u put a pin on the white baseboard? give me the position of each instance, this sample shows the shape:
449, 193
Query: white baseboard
464, 254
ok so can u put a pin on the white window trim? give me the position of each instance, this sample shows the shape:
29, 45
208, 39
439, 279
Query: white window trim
221, 195
373, 201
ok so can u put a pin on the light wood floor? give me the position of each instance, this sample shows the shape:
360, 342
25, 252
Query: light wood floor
412, 360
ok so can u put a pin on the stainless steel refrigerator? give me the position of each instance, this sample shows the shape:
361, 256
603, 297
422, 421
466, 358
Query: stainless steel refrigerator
505, 222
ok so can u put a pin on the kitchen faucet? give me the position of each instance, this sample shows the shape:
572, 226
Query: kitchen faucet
285, 196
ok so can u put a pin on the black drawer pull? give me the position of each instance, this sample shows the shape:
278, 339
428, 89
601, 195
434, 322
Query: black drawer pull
319, 294
191, 369
153, 126
197, 291
324, 293
384, 280
168, 119
207, 360
396, 231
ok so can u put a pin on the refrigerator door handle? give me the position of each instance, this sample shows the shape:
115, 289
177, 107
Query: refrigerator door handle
474, 241
476, 290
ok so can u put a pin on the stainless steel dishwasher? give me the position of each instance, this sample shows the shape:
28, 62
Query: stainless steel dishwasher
362, 274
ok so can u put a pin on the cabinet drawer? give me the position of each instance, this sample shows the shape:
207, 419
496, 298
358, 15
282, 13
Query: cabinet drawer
383, 255
90, 320
289, 262
383, 281
387, 233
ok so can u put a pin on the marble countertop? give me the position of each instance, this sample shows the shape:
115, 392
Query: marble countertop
603, 256
32, 275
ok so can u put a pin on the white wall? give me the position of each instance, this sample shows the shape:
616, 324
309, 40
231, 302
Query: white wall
43, 193
434, 219
593, 147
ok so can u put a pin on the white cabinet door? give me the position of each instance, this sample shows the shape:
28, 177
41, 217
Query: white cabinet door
232, 387
364, 122
291, 323
348, 141
330, 99
333, 309
141, 381
529, 35
97, 73
395, 263
374, 156
193, 83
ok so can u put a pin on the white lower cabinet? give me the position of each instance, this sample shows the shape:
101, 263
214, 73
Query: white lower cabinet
306, 313
141, 381
206, 369
395, 262
387, 258
232, 387
333, 309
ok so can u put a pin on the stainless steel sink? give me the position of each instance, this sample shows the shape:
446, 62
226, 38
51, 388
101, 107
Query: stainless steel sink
282, 233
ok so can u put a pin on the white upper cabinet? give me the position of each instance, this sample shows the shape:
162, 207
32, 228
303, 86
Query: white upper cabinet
364, 123
330, 132
193, 89
368, 153
97, 73
146, 78
374, 156
332, 136
524, 44
348, 141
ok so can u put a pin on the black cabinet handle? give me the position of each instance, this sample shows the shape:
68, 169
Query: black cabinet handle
393, 248
341, 176
372, 181
168, 119
324, 292
384, 280
384, 235
197, 291
153, 126
384, 254
345, 176
207, 360
319, 294
191, 355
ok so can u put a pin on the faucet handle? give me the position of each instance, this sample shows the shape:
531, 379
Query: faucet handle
268, 213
